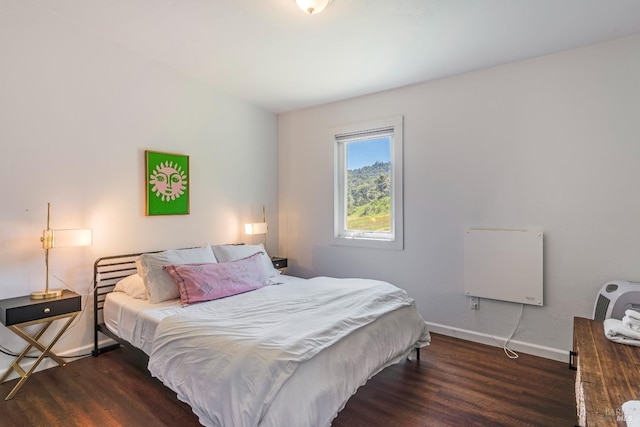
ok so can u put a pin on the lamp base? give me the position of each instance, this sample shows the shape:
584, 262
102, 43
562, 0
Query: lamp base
46, 293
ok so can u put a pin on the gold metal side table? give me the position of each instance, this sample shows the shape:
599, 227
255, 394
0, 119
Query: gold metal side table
21, 312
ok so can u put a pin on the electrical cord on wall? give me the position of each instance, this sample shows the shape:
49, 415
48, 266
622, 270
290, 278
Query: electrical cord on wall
8, 352
505, 347
93, 287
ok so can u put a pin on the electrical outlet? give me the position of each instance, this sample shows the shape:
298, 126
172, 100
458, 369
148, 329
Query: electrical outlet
474, 303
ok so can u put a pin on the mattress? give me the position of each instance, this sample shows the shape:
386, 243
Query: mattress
320, 385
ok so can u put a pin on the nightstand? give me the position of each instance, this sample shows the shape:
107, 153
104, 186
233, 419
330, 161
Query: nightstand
279, 263
20, 312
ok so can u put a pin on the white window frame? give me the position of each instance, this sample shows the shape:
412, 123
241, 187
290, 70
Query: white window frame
395, 238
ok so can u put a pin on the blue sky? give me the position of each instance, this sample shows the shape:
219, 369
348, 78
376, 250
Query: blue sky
367, 152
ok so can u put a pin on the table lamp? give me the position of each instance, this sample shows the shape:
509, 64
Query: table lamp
52, 238
258, 227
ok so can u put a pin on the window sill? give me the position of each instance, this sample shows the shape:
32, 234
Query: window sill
367, 242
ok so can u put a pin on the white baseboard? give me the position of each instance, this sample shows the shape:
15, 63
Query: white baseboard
517, 346
47, 363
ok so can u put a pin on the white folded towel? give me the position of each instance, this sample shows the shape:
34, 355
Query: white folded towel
631, 322
633, 314
631, 411
617, 332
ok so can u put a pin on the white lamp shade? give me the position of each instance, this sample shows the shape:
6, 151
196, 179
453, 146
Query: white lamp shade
313, 6
66, 238
256, 228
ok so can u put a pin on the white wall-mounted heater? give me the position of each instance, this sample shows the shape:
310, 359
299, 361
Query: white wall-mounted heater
615, 298
504, 265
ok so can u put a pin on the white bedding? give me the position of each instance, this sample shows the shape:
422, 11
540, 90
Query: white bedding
311, 376
135, 320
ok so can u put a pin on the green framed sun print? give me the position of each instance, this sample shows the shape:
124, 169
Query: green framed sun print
167, 183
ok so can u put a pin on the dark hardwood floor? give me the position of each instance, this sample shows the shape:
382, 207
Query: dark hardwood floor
457, 383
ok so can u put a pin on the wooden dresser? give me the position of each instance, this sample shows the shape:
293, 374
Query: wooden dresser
608, 374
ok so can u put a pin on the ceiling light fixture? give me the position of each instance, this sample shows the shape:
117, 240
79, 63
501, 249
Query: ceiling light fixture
313, 6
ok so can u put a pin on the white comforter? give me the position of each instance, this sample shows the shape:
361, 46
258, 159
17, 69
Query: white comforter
230, 359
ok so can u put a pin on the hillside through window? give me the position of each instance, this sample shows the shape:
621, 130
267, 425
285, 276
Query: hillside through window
369, 185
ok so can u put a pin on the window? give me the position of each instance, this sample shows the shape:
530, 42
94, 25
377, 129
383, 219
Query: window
368, 184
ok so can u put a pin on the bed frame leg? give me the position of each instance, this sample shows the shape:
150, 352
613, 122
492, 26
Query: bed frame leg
105, 349
418, 353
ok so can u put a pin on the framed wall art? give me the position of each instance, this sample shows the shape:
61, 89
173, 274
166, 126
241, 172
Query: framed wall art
167, 183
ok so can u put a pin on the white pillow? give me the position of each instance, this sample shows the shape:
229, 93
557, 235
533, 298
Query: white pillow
160, 286
228, 253
133, 286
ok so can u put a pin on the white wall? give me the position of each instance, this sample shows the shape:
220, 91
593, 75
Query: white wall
551, 143
76, 114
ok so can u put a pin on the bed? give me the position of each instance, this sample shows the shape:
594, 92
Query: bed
282, 354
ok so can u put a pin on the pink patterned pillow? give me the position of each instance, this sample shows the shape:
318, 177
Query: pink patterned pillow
209, 281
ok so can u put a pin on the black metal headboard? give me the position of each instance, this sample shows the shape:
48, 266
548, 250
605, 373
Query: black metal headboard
107, 271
